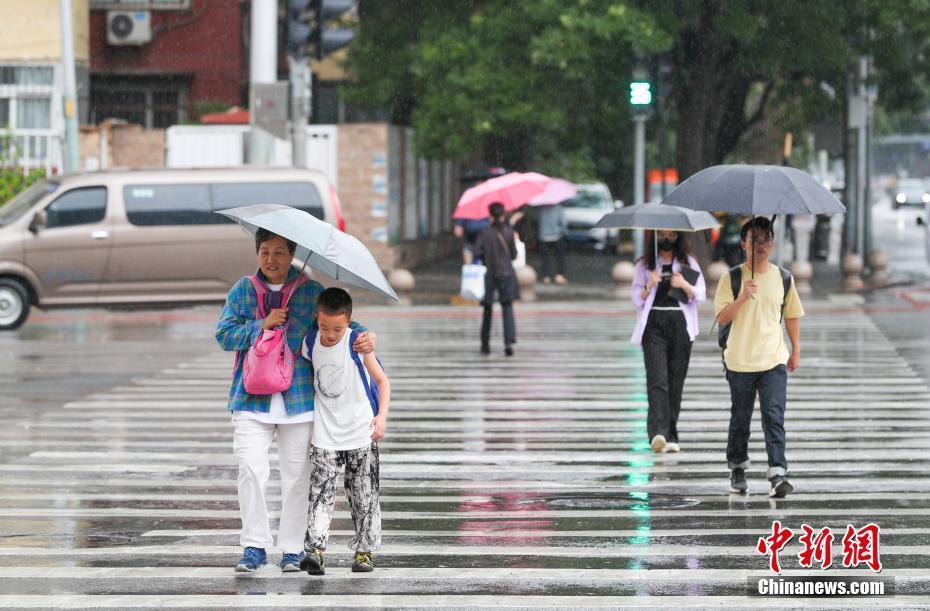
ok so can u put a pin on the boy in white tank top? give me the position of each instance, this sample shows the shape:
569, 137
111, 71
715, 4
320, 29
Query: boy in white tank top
348, 423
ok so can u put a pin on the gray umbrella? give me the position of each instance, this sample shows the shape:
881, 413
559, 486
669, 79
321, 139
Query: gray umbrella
760, 190
322, 246
658, 217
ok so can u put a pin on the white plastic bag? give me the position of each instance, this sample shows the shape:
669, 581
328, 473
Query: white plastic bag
520, 261
473, 282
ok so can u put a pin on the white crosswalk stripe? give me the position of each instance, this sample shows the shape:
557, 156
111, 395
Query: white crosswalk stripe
506, 482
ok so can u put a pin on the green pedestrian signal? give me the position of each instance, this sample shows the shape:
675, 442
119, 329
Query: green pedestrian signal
640, 93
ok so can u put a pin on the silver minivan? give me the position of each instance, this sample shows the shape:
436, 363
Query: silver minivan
139, 237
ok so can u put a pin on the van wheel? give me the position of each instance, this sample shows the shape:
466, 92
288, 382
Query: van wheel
14, 304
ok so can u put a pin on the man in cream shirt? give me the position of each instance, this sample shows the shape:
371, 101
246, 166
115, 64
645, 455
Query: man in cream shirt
756, 357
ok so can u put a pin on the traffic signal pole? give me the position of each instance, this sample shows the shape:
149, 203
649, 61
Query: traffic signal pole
641, 105
639, 175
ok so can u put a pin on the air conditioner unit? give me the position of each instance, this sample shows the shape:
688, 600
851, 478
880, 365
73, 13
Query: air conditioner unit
129, 27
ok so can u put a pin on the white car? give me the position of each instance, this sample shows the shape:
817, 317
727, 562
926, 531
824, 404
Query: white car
583, 212
910, 192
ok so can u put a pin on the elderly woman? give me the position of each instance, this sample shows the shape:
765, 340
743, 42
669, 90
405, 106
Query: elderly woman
666, 327
257, 419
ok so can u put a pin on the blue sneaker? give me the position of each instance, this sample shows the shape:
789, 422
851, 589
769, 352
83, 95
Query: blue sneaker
253, 558
290, 563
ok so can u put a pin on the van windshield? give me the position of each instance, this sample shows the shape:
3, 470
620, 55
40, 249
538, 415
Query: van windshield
19, 205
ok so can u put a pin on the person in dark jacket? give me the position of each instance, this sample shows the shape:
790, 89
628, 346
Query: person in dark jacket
495, 248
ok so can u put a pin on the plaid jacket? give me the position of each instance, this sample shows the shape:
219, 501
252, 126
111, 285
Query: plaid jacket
239, 326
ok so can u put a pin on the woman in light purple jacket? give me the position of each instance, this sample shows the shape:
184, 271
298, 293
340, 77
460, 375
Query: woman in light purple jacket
665, 328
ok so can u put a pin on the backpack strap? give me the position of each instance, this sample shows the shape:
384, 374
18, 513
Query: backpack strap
309, 341
260, 289
370, 388
736, 281
786, 282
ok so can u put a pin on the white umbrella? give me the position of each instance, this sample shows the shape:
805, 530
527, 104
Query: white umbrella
319, 244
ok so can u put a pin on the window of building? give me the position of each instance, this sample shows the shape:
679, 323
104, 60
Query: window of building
150, 103
148, 205
77, 207
33, 113
4, 112
27, 75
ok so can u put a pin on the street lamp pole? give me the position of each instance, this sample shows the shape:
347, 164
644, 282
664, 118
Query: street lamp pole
263, 69
72, 158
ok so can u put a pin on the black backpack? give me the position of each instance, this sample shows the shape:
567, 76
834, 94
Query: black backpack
736, 281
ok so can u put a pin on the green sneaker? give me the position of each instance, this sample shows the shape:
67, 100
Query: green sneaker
364, 563
313, 562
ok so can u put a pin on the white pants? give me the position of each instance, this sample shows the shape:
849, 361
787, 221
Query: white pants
251, 442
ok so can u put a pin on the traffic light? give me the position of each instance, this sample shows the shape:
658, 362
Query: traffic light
299, 27
641, 97
317, 26
640, 93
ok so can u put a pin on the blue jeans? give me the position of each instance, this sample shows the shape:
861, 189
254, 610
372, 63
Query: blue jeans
772, 386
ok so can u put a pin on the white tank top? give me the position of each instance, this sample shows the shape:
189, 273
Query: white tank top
342, 413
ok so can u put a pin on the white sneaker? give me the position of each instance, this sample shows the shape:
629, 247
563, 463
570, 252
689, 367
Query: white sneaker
658, 444
672, 447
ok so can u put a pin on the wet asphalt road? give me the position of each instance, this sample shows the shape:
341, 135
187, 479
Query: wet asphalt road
522, 482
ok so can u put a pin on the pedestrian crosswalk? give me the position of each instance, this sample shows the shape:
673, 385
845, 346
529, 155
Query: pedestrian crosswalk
521, 482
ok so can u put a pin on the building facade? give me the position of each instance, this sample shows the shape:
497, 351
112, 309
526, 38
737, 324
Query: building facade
159, 63
31, 80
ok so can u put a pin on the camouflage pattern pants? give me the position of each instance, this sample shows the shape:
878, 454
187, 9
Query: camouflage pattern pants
362, 493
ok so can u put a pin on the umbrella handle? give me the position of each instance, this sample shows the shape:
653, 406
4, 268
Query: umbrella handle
302, 268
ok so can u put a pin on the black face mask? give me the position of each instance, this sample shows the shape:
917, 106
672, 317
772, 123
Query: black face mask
666, 244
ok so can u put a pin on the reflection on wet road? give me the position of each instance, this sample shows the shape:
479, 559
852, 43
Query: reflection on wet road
526, 481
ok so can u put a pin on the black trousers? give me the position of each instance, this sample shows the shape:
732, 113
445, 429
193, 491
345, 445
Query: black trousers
510, 326
667, 352
557, 249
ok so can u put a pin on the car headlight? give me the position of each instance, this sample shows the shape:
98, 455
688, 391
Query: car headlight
926, 198
900, 198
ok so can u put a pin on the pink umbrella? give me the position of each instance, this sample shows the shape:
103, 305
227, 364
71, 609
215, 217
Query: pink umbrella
512, 190
557, 192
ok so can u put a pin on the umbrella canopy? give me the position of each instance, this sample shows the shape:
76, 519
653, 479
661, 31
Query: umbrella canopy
556, 192
319, 244
761, 190
658, 217
512, 190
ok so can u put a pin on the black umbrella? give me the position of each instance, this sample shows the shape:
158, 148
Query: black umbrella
758, 190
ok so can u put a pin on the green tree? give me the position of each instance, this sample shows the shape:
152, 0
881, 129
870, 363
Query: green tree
543, 83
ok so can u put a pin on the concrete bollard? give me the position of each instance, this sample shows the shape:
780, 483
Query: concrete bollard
852, 270
715, 272
622, 273
878, 261
526, 278
403, 282
802, 271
